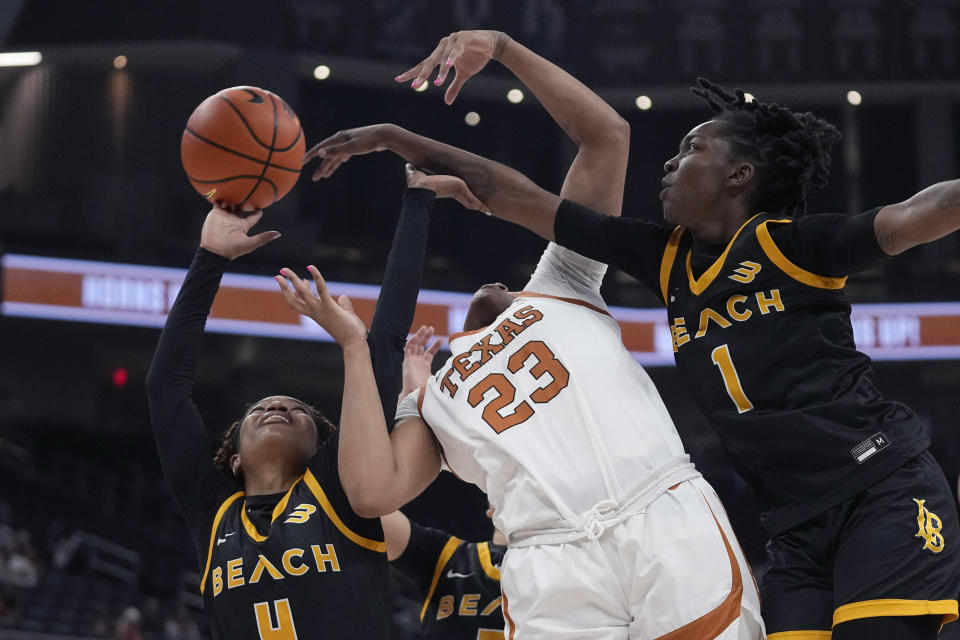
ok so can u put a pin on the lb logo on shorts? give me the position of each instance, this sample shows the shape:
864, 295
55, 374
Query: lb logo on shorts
929, 527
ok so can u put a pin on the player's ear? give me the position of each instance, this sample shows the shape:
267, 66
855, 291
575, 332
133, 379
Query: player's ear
740, 174
235, 464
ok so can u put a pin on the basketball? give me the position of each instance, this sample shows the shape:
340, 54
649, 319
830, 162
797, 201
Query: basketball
243, 146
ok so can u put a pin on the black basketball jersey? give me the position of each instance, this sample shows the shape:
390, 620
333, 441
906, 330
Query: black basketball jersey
315, 561
767, 349
459, 582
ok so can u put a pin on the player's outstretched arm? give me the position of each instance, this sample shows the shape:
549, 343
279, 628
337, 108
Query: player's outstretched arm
379, 471
596, 177
927, 216
181, 437
507, 193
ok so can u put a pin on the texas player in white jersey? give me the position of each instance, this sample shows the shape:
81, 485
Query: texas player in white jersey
546, 411
541, 408
612, 532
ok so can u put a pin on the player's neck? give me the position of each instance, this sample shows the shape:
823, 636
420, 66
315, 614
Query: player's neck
499, 538
268, 481
721, 226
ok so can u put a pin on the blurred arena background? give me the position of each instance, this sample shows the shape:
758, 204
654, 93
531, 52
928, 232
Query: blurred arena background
90, 124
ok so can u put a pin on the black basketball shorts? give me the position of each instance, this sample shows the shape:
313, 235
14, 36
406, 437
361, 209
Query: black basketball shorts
891, 550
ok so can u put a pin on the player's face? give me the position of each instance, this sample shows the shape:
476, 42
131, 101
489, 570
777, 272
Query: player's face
488, 302
277, 426
695, 178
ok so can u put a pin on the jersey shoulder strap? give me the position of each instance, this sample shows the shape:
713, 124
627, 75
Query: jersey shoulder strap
773, 253
213, 533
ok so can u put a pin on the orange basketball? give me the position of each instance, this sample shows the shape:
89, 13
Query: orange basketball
243, 146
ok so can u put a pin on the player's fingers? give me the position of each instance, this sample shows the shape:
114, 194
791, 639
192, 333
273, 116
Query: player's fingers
261, 239
464, 196
297, 283
446, 59
414, 176
337, 165
345, 303
433, 348
251, 219
429, 63
321, 169
224, 206
454, 89
294, 301
420, 337
408, 74
331, 165
319, 282
326, 168
318, 150
322, 148
453, 54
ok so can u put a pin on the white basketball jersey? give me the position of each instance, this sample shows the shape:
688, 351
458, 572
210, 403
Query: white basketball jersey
545, 410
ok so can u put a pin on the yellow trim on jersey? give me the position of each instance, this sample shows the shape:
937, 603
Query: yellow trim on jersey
483, 552
894, 607
800, 635
699, 285
666, 262
318, 493
213, 533
445, 554
797, 273
277, 510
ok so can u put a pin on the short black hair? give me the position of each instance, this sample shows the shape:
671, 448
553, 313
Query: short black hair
790, 150
228, 441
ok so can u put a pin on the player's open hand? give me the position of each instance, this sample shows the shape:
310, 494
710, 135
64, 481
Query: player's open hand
337, 317
225, 233
418, 358
445, 187
467, 52
343, 145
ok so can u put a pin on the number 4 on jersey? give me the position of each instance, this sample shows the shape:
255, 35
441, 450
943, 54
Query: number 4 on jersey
284, 629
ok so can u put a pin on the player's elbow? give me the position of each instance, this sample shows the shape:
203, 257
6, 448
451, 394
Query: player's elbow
157, 385
610, 133
618, 128
615, 130
370, 502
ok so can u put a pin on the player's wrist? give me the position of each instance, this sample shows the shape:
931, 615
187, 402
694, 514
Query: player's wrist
217, 249
389, 134
501, 40
354, 345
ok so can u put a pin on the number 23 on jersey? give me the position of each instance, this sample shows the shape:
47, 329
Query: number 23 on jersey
545, 364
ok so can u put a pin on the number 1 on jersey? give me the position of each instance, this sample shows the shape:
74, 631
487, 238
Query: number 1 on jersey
284, 629
721, 358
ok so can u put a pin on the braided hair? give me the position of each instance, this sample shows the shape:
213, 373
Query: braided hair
229, 445
790, 151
